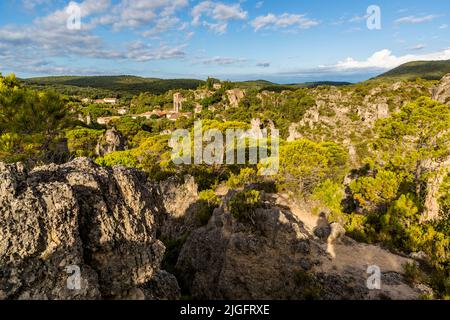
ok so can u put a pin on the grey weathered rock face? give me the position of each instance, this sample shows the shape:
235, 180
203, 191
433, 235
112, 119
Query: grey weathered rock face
230, 260
163, 286
437, 174
180, 200
105, 222
293, 133
111, 141
235, 96
102, 221
278, 257
179, 195
441, 92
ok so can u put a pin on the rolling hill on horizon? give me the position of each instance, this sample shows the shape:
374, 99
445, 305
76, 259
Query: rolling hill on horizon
122, 85
128, 85
428, 70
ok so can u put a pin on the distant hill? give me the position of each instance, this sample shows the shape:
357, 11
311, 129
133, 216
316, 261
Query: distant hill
126, 86
122, 85
270, 86
326, 83
429, 70
254, 84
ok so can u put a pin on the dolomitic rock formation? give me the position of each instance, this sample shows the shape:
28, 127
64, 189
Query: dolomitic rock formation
279, 257
235, 96
110, 142
441, 92
437, 174
55, 219
105, 221
230, 260
180, 200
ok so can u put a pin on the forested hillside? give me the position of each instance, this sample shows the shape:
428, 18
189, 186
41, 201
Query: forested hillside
430, 70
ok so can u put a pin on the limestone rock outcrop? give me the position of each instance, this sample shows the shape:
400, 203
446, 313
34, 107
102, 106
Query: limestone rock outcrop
235, 96
79, 231
278, 257
437, 174
230, 260
441, 92
110, 142
180, 200
57, 220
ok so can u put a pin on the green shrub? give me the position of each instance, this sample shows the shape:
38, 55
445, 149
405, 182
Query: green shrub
308, 285
83, 141
444, 201
412, 273
330, 195
31, 123
210, 197
173, 249
375, 193
244, 204
119, 158
208, 202
304, 164
358, 228
246, 176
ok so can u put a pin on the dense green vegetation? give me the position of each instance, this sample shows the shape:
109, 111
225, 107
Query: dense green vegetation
31, 123
113, 86
430, 70
128, 86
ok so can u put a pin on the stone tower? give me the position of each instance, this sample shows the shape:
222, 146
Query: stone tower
177, 102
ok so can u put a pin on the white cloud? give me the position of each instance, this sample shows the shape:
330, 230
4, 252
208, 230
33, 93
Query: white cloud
285, 20
416, 19
32, 4
219, 28
190, 35
359, 18
419, 46
138, 13
357, 70
263, 64
162, 25
222, 61
49, 37
140, 51
259, 4
444, 26
215, 15
384, 59
229, 12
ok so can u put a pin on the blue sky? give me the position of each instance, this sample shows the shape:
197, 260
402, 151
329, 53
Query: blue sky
279, 40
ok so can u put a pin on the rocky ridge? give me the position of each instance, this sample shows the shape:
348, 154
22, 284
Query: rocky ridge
107, 221
78, 215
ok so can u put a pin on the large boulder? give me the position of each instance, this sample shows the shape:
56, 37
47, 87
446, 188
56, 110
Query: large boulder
77, 217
